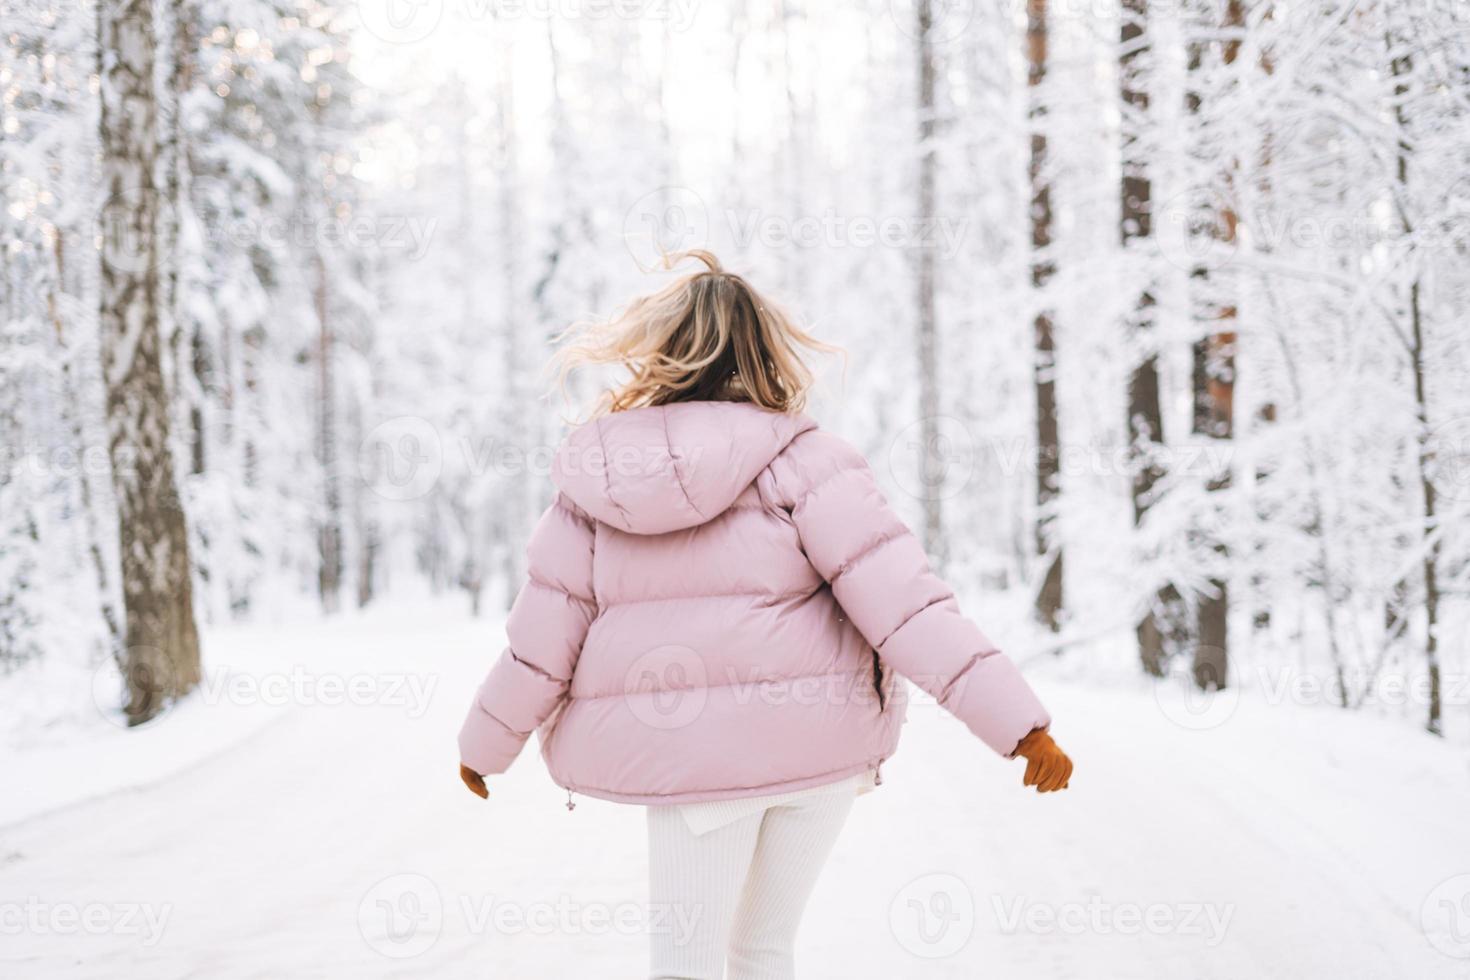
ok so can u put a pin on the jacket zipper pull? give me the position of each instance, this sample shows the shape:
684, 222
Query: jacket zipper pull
570, 805
878, 774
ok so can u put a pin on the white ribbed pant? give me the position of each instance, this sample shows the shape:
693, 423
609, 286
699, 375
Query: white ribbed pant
738, 890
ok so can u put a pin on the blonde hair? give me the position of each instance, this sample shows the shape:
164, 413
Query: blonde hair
707, 336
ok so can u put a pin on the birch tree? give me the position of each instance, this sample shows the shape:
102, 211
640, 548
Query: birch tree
931, 465
161, 652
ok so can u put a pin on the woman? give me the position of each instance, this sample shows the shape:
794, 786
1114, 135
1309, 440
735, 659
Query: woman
719, 600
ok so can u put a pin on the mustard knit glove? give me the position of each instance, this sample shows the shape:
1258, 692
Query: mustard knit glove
1047, 766
474, 781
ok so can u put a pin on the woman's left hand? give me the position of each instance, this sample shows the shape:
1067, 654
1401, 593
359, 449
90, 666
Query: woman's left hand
474, 781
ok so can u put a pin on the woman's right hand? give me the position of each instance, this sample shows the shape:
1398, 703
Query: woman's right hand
474, 781
1047, 766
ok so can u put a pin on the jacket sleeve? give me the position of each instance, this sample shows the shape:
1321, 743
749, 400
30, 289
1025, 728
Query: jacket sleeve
880, 576
546, 628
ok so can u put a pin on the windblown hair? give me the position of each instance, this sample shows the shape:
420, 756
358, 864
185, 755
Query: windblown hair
707, 336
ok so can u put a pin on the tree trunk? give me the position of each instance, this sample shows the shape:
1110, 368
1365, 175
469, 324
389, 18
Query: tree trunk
514, 504
1160, 629
329, 531
160, 660
72, 388
1263, 414
1043, 267
931, 464
1402, 65
1211, 667
1215, 314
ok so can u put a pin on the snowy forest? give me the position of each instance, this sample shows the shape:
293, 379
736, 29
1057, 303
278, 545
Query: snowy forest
1155, 314
1155, 322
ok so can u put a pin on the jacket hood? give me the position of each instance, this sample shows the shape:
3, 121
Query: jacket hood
669, 467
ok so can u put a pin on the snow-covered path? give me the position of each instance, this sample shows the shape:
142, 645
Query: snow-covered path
334, 840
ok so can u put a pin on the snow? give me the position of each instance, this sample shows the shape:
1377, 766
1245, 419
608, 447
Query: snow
280, 825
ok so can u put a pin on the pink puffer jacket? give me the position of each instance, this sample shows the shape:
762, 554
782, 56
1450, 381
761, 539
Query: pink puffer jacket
718, 597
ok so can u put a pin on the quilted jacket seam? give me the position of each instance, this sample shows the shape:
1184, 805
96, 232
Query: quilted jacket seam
851, 563
839, 471
588, 788
496, 718
536, 668
772, 596
914, 615
679, 477
715, 687
533, 579
959, 674
607, 471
